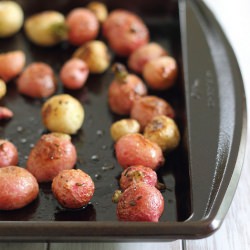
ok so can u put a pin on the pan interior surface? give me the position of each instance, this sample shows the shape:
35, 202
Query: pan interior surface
93, 142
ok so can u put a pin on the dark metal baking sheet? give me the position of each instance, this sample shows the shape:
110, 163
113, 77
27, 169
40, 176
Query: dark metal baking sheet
210, 107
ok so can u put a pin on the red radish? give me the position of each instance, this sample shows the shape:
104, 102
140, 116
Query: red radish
124, 90
5, 113
144, 54
135, 149
18, 188
83, 26
53, 153
140, 202
160, 73
147, 107
8, 153
136, 174
11, 64
125, 32
74, 73
37, 81
73, 188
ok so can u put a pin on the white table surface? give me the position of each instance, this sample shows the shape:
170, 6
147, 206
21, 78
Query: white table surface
234, 16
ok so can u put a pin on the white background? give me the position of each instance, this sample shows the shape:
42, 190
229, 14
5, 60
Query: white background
234, 17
